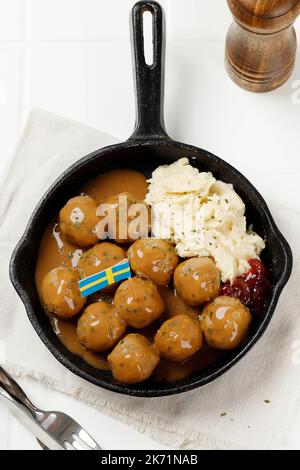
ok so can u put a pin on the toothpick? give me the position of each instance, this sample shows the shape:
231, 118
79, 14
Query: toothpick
133, 292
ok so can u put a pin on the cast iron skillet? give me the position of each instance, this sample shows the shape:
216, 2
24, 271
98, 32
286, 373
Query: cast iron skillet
148, 147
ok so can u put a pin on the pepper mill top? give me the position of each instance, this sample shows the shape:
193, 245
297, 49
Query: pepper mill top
265, 16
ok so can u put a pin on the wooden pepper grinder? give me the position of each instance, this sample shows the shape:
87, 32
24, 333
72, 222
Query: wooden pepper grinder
261, 43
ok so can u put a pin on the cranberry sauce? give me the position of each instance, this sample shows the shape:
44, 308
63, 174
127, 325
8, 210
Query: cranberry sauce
251, 288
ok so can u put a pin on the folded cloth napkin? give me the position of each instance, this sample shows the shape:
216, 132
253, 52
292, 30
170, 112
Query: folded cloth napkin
251, 406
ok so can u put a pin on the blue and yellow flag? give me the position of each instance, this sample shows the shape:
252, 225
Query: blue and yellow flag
98, 281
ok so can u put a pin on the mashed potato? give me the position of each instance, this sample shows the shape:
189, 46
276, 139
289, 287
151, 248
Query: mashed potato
203, 217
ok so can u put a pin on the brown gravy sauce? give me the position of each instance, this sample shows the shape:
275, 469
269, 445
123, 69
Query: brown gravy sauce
115, 182
55, 251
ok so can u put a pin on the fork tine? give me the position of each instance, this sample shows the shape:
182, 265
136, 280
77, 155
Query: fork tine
43, 446
84, 437
81, 442
77, 444
69, 446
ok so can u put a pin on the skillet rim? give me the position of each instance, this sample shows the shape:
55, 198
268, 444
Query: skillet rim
169, 389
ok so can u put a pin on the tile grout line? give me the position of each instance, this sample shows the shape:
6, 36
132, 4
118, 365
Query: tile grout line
21, 84
25, 68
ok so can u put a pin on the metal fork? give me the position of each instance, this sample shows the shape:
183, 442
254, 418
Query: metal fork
54, 429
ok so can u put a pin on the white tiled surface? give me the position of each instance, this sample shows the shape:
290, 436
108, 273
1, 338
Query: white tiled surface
73, 57
11, 20
79, 20
72, 93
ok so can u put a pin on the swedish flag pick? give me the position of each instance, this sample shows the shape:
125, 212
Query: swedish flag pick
98, 281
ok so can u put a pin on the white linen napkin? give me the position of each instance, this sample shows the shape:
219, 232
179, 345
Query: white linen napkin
251, 406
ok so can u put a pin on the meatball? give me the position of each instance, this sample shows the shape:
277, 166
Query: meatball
225, 322
126, 223
178, 338
133, 359
60, 293
174, 305
100, 257
78, 220
197, 280
153, 259
138, 302
100, 328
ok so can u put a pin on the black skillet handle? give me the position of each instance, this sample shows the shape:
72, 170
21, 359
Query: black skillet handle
149, 79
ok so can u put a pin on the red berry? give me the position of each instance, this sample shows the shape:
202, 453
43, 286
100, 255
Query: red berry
258, 268
226, 289
260, 293
241, 291
250, 278
237, 289
252, 287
